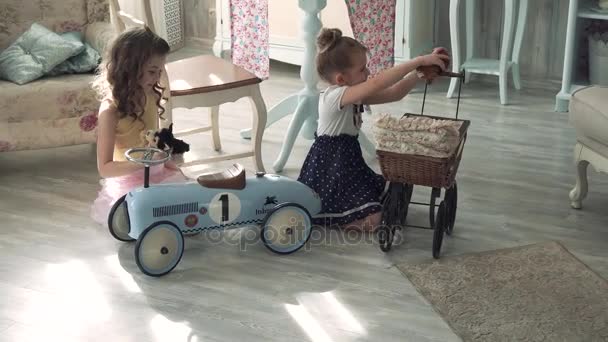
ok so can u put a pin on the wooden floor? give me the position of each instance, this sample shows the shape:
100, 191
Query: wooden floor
63, 278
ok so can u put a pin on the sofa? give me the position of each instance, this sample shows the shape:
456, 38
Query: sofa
588, 113
58, 110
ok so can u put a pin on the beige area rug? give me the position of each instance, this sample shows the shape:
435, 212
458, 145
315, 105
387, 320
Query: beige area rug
538, 292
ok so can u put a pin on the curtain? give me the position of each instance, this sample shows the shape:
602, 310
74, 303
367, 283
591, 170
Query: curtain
372, 21
373, 24
249, 35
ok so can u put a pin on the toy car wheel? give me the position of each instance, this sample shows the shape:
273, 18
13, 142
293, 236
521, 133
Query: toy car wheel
159, 248
118, 221
286, 228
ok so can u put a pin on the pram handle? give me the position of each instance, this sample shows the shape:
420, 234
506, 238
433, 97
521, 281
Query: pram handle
448, 74
452, 74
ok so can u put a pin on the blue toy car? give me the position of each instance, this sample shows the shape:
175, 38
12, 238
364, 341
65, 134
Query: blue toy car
158, 216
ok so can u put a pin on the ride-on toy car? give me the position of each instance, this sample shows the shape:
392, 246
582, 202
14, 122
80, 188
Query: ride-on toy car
157, 216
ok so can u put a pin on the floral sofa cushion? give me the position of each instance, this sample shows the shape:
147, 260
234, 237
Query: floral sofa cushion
86, 61
36, 53
70, 113
51, 111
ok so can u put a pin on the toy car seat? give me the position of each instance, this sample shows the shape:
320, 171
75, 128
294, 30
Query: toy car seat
231, 178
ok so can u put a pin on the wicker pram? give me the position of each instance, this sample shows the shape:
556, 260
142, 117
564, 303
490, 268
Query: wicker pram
403, 171
415, 169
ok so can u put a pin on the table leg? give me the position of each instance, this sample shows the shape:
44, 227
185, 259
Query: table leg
259, 124
455, 39
562, 101
307, 110
306, 106
287, 106
519, 38
505, 49
471, 7
214, 113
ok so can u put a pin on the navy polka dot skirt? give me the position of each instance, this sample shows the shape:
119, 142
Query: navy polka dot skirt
349, 189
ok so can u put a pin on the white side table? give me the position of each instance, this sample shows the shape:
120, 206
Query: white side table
576, 12
509, 50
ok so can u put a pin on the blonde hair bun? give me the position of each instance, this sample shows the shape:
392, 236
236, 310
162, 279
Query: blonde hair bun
328, 38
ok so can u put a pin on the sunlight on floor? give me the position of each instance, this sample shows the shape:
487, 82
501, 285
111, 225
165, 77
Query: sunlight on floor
125, 277
73, 302
308, 323
323, 309
166, 330
81, 295
347, 320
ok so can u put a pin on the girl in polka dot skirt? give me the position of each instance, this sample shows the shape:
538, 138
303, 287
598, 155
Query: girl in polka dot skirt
350, 190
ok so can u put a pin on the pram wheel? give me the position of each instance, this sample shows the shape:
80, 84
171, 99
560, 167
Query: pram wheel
435, 193
452, 203
394, 213
385, 238
386, 231
406, 198
438, 229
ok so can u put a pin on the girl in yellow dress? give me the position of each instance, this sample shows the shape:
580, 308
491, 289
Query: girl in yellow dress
129, 87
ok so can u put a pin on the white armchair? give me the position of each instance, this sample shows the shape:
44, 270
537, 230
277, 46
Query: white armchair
589, 116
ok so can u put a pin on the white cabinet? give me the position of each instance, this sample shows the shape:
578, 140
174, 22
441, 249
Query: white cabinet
414, 28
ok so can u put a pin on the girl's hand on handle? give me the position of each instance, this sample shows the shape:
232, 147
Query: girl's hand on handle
444, 52
440, 51
434, 59
386, 78
429, 70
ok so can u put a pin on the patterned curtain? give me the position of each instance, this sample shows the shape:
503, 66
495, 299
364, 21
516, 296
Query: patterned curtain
372, 21
249, 35
373, 24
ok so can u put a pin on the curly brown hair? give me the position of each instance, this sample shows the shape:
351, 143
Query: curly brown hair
335, 52
119, 74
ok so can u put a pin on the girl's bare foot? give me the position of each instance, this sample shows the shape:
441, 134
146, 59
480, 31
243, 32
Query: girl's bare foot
366, 224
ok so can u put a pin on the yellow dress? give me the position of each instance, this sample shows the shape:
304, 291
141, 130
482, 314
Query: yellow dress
129, 129
128, 135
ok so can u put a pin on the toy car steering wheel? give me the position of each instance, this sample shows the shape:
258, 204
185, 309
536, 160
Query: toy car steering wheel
148, 153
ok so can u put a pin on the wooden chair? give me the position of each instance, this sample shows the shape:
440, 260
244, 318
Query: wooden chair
207, 81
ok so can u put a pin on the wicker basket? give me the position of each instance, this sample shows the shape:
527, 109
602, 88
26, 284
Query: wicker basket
423, 170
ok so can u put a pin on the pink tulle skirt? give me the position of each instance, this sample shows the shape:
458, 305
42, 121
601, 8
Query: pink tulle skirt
114, 188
